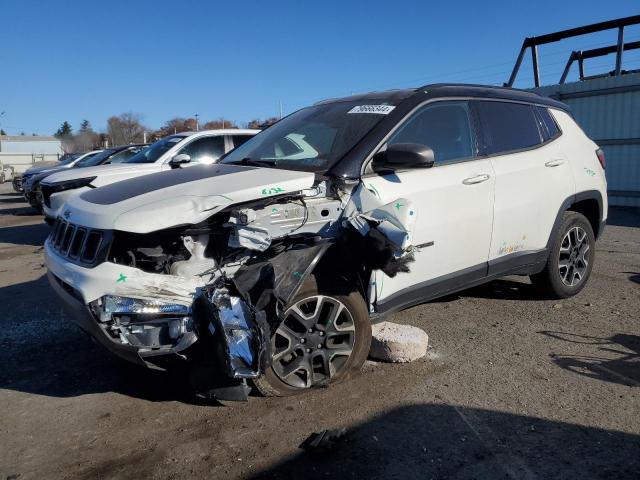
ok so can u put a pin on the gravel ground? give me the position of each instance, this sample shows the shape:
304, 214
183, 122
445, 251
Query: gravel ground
513, 386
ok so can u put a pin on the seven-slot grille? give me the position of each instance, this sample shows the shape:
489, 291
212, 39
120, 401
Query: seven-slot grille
77, 243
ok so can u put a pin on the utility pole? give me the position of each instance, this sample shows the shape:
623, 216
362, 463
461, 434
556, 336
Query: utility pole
280, 109
1, 115
197, 123
144, 137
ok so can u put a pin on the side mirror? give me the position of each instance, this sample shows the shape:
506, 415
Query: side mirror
179, 159
404, 155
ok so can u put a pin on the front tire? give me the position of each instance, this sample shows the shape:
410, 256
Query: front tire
570, 259
324, 339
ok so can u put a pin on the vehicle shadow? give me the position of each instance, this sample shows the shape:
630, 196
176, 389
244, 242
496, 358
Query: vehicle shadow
618, 360
633, 276
444, 441
25, 234
43, 353
12, 199
20, 211
505, 289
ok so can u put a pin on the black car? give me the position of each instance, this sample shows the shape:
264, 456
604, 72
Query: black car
31, 185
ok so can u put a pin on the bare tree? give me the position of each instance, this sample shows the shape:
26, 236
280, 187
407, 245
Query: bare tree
257, 123
86, 139
176, 125
125, 128
217, 124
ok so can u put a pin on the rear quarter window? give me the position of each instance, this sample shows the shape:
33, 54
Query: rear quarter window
507, 126
548, 125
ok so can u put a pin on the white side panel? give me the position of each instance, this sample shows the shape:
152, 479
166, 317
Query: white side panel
581, 151
530, 189
455, 216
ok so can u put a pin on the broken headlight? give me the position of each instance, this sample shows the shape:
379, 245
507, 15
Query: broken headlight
145, 323
126, 305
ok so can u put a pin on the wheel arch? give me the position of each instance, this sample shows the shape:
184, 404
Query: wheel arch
588, 203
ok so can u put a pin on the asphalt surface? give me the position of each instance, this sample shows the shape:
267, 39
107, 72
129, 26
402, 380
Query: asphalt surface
514, 386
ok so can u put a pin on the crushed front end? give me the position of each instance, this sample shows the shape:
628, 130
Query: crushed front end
211, 293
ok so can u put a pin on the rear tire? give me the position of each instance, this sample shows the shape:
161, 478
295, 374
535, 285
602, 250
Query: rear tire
570, 259
324, 339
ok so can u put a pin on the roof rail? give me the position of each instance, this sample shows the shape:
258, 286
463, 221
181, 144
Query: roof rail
534, 42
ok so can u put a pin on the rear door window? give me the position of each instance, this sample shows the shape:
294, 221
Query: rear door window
239, 139
507, 127
445, 127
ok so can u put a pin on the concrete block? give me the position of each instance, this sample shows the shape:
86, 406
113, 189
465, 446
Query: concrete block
396, 343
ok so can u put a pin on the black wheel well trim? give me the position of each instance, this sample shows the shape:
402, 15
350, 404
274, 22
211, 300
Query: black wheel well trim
566, 206
342, 276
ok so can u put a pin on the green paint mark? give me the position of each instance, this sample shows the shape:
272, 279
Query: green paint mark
398, 205
297, 274
121, 278
274, 210
272, 190
589, 171
226, 198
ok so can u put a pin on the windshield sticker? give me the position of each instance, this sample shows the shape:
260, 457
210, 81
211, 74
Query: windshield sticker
377, 109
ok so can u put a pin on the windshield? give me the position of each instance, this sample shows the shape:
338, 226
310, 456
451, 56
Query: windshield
88, 156
127, 154
312, 139
96, 159
156, 150
68, 158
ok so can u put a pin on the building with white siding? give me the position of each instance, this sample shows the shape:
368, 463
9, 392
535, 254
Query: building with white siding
22, 151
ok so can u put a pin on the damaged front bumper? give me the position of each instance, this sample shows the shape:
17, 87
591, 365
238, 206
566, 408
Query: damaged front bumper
143, 318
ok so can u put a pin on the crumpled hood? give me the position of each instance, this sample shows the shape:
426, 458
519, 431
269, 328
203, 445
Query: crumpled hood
105, 174
179, 197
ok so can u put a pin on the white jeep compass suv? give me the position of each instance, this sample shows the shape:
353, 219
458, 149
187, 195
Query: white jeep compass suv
272, 264
186, 148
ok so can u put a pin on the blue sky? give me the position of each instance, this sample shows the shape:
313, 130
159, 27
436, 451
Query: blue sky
69, 60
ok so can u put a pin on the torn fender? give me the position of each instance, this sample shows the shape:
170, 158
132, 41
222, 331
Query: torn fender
281, 276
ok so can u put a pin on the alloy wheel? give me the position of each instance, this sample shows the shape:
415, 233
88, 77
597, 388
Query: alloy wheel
573, 259
314, 341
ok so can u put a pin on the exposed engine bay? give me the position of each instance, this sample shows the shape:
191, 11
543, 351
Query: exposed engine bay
218, 288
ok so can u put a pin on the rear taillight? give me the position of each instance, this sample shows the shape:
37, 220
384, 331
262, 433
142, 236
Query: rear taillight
601, 159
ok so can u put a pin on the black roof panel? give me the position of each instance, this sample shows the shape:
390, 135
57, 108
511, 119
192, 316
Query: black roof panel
388, 95
452, 90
